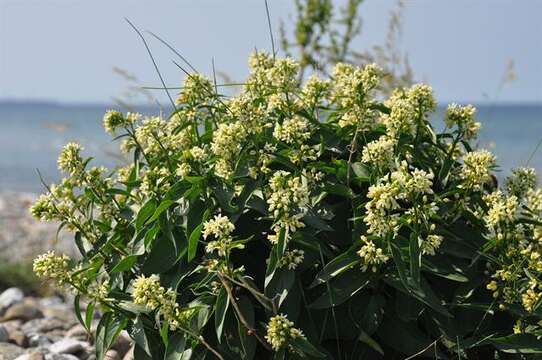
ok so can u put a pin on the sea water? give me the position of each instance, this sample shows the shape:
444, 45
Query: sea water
32, 135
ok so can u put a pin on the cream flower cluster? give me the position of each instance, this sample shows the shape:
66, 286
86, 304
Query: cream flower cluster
380, 153
476, 169
430, 244
226, 145
502, 211
292, 131
351, 91
371, 256
315, 91
350, 81
155, 181
407, 109
44, 208
114, 119
52, 266
70, 160
183, 170
147, 291
517, 277
521, 181
280, 330
98, 291
464, 118
402, 184
292, 258
199, 154
286, 200
221, 229
151, 135
533, 200
295, 132
196, 90
270, 74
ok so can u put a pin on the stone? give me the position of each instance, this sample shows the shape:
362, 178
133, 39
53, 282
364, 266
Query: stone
33, 301
50, 301
53, 356
23, 312
68, 346
10, 297
43, 325
112, 355
123, 343
77, 332
64, 313
129, 355
35, 355
10, 351
12, 325
4, 335
18, 337
35, 340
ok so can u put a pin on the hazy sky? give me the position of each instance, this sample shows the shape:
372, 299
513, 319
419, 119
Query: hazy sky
65, 50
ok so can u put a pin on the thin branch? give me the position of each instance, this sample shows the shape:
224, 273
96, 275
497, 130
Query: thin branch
434, 343
245, 323
534, 152
174, 50
153, 62
270, 28
201, 339
215, 96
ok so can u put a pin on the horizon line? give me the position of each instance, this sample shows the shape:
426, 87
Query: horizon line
112, 103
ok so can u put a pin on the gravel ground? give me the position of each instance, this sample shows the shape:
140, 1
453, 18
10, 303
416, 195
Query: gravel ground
21, 237
46, 329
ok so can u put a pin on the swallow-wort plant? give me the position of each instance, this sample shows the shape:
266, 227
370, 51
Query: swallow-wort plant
313, 220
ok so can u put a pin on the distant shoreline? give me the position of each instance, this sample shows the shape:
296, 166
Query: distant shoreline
61, 104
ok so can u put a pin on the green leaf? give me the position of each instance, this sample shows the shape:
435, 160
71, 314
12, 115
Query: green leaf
196, 214
107, 332
444, 268
175, 346
361, 171
77, 307
125, 264
424, 294
373, 314
247, 342
164, 205
224, 197
365, 338
339, 189
399, 263
303, 346
89, 315
221, 307
162, 257
178, 190
150, 236
275, 255
415, 258
516, 344
279, 286
193, 242
336, 267
340, 291
139, 336
144, 213
314, 221
406, 338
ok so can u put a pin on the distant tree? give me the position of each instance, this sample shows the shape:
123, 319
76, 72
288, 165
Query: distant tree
323, 34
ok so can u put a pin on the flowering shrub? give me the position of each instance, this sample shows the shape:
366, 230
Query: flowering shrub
312, 220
